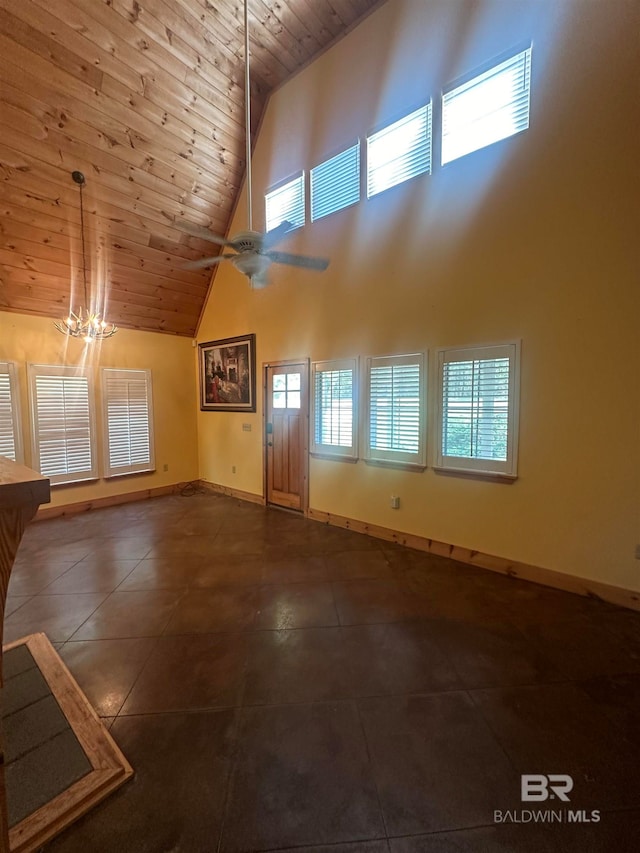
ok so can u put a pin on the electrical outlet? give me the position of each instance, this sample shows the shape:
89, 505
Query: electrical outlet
165, 467
395, 502
246, 427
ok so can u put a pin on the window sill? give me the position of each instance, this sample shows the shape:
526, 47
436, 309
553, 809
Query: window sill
115, 474
335, 457
402, 466
476, 474
81, 482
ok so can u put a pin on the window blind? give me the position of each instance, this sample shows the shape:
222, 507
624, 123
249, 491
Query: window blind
127, 409
335, 184
478, 408
63, 424
395, 409
333, 420
399, 152
492, 106
10, 444
286, 204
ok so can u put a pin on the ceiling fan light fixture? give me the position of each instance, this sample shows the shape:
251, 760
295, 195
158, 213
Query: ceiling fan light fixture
86, 323
251, 263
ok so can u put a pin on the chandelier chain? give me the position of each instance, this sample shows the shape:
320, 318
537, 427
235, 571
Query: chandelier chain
84, 254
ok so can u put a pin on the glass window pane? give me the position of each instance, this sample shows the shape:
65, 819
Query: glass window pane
286, 204
293, 381
475, 408
399, 152
279, 400
488, 108
293, 400
335, 184
395, 408
7, 413
127, 399
279, 382
478, 419
333, 409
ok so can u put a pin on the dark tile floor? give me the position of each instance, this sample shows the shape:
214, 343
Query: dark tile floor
280, 685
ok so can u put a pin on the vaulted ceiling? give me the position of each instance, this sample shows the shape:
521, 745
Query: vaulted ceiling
145, 97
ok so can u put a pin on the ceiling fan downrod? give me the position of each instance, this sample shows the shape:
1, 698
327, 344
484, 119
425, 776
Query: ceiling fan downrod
247, 114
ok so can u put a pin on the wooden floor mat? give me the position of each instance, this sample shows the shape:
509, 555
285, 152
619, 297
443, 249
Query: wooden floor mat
60, 759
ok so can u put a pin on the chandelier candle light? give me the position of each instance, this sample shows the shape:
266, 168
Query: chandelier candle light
85, 324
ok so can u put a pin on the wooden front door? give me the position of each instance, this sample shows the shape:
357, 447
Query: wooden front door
287, 428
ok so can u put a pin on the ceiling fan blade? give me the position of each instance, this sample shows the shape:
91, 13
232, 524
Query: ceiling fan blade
202, 233
298, 260
276, 234
203, 263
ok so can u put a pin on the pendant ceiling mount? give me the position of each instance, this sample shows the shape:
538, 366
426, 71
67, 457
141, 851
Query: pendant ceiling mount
85, 323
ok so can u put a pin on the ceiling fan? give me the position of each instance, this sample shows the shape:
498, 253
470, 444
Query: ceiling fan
252, 251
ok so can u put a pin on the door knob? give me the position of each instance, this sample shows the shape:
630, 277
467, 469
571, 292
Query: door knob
269, 444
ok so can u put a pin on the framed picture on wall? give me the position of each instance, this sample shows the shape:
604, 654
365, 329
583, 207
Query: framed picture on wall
228, 375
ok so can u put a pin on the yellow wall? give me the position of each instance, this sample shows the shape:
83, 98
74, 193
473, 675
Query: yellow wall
26, 339
533, 238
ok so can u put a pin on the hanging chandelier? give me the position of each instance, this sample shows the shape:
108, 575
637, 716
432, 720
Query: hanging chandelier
85, 323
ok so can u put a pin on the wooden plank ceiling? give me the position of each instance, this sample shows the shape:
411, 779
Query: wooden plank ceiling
146, 98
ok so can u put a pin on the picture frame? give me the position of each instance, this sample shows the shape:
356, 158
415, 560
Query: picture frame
228, 375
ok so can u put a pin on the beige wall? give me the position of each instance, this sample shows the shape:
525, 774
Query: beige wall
26, 339
533, 238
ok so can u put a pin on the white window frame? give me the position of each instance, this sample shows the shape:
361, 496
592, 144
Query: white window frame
395, 458
297, 179
335, 451
491, 467
519, 104
331, 183
13, 423
376, 136
43, 370
111, 470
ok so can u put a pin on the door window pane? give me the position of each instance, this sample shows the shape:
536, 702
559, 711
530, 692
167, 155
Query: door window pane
286, 390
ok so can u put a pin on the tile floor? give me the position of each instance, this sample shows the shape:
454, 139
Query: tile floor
279, 685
